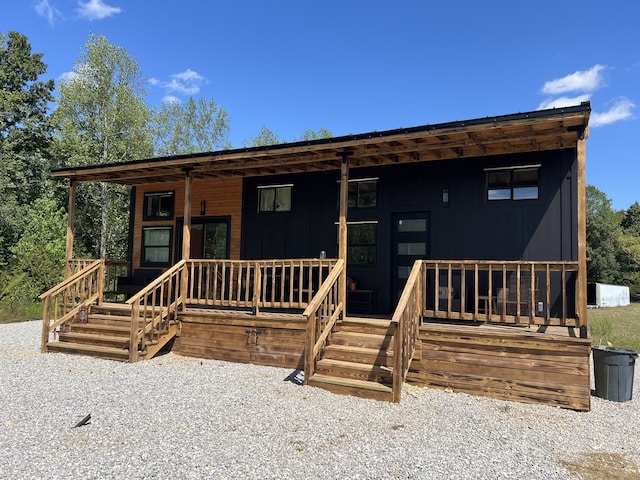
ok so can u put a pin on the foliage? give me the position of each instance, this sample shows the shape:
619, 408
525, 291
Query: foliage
101, 117
314, 135
37, 261
602, 238
24, 134
264, 138
197, 126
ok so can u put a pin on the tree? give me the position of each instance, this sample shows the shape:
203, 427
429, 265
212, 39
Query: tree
102, 117
25, 132
196, 126
314, 135
264, 138
602, 237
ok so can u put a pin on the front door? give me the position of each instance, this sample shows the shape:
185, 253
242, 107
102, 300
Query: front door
409, 242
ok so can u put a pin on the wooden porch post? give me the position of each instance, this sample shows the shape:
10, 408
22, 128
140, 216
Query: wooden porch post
186, 234
186, 228
70, 228
581, 294
342, 241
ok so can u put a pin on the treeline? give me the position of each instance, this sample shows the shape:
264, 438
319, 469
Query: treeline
99, 114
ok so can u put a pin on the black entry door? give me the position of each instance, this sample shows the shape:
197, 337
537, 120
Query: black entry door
409, 242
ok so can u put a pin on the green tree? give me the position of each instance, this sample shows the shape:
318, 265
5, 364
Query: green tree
602, 237
314, 135
25, 132
264, 138
102, 118
196, 126
38, 257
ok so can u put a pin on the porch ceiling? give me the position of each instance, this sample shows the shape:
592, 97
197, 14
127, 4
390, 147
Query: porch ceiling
518, 133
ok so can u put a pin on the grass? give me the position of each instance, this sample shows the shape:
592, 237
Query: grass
12, 314
619, 326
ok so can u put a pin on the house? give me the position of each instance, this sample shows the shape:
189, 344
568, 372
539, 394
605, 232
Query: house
449, 255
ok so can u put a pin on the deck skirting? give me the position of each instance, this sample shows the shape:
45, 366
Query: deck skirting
509, 363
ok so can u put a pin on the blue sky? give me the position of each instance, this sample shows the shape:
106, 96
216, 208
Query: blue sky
355, 66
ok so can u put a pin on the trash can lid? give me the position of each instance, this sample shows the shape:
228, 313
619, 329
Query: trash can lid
605, 348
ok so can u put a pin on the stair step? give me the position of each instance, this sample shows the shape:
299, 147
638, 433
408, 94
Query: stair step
354, 370
350, 353
354, 387
116, 341
109, 353
367, 340
367, 325
102, 328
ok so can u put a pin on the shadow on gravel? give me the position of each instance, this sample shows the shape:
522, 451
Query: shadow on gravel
295, 377
600, 466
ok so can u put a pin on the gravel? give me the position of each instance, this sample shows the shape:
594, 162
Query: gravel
186, 418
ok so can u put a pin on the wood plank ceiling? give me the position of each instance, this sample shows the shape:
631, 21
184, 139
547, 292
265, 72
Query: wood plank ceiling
525, 132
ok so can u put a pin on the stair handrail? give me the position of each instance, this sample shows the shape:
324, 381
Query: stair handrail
64, 301
322, 313
156, 303
407, 320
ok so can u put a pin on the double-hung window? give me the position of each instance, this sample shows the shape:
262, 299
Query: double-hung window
156, 246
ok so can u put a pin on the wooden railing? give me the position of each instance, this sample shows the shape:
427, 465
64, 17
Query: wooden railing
255, 284
322, 313
112, 270
406, 320
64, 302
154, 307
515, 292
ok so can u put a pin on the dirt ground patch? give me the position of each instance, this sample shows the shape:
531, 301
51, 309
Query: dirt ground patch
603, 465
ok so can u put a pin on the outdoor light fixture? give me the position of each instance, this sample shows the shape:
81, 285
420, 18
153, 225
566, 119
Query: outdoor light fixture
203, 207
445, 197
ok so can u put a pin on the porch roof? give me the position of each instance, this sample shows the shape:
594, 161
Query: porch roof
539, 130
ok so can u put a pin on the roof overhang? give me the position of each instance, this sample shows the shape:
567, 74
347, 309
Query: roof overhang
540, 130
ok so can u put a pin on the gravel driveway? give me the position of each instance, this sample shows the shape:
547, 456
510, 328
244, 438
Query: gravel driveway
184, 418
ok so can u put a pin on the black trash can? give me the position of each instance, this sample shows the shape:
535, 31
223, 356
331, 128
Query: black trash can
613, 371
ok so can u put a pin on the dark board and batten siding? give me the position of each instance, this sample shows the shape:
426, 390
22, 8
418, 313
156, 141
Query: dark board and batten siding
469, 227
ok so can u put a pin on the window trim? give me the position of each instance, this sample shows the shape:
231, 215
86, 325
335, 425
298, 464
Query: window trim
143, 247
148, 195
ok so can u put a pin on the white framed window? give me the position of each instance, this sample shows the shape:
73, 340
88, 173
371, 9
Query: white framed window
156, 246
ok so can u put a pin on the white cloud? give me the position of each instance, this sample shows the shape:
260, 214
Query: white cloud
580, 81
66, 76
621, 110
96, 10
170, 99
183, 83
48, 11
561, 102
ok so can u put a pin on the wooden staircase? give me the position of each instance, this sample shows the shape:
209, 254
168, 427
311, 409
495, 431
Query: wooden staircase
358, 360
106, 334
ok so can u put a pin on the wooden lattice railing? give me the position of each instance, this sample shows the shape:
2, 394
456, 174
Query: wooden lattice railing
406, 320
154, 307
62, 303
508, 292
255, 284
322, 313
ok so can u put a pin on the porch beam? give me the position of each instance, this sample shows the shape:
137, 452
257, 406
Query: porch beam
342, 241
71, 218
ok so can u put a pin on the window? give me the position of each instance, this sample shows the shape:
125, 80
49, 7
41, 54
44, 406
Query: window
361, 248
158, 206
514, 183
156, 245
274, 198
363, 193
